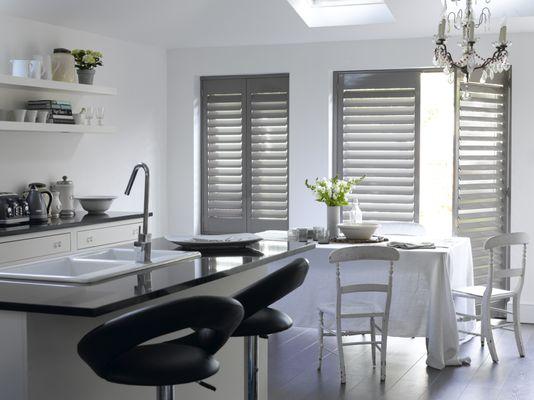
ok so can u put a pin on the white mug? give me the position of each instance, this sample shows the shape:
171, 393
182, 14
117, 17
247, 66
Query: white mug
46, 65
20, 68
36, 67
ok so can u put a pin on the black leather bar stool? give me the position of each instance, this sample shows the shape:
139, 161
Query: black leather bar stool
259, 319
115, 351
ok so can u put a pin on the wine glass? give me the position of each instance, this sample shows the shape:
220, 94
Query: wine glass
89, 114
100, 115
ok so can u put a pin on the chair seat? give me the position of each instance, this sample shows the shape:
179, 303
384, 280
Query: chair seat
162, 364
264, 322
478, 292
363, 308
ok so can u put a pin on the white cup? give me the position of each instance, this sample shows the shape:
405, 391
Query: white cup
18, 115
78, 118
31, 115
42, 116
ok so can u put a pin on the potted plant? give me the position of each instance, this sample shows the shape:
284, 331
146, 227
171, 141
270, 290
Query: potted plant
333, 192
86, 62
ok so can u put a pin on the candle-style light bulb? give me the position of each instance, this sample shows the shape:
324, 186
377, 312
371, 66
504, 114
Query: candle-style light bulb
504, 32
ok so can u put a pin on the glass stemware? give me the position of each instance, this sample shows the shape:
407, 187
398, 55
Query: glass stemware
100, 115
89, 114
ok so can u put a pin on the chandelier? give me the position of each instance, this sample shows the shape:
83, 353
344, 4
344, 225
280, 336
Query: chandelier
466, 21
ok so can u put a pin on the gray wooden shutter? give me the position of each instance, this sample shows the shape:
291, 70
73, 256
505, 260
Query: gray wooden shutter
223, 191
268, 124
481, 198
245, 159
377, 129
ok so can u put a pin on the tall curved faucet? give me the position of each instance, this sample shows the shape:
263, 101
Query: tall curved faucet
144, 238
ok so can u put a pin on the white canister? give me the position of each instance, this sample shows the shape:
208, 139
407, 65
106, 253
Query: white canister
63, 66
66, 196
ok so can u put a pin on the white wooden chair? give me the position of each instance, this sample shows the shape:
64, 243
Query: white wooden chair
359, 309
487, 295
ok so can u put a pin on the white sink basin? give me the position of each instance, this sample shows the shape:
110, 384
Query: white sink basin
128, 255
90, 268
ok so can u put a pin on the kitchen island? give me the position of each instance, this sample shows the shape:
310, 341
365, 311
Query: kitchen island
46, 321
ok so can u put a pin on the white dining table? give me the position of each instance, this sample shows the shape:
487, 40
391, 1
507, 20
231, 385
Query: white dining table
422, 302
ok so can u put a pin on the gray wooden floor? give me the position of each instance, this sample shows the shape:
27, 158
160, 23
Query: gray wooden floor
293, 371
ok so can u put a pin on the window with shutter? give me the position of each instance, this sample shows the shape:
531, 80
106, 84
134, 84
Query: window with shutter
481, 195
377, 129
245, 159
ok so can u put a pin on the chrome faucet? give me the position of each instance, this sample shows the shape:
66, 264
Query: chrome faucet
144, 238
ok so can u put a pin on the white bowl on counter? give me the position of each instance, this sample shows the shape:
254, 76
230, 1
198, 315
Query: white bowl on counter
363, 231
95, 204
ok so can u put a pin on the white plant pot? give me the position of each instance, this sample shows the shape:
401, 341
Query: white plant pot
332, 221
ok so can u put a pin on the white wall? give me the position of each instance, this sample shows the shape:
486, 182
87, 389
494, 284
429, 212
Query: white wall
310, 67
98, 164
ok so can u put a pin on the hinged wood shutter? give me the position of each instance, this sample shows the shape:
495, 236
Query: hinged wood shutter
245, 127
223, 129
377, 128
268, 102
481, 195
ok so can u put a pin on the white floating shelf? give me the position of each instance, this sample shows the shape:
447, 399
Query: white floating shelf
15, 82
8, 126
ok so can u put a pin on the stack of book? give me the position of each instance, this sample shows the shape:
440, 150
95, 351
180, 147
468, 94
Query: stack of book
60, 112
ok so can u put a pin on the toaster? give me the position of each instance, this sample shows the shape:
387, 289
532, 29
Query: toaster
14, 209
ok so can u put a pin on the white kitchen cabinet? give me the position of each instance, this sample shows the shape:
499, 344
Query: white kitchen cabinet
36, 247
105, 236
52, 243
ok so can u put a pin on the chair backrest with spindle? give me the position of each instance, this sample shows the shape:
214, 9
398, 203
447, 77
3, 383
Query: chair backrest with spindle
498, 242
364, 253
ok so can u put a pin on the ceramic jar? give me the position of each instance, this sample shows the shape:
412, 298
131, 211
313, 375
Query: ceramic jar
63, 66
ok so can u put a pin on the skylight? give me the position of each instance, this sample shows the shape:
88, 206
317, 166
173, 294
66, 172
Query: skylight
320, 13
337, 3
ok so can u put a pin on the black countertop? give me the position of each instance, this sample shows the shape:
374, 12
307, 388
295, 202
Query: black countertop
80, 219
126, 291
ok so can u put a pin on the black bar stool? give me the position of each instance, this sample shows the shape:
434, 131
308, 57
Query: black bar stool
259, 319
115, 352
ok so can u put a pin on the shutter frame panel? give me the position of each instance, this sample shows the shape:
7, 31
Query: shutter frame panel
482, 160
245, 153
377, 134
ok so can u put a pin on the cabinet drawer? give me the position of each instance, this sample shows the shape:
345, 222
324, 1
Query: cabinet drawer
32, 248
105, 236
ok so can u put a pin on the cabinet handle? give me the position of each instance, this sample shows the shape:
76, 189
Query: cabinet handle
89, 239
57, 245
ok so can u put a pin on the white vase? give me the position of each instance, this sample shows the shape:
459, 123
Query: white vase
332, 220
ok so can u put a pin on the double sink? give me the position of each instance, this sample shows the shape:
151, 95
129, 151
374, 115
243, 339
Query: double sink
94, 267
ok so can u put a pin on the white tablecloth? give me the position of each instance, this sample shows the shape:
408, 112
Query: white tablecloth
422, 303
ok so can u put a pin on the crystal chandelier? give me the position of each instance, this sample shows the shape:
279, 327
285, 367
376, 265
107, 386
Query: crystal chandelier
466, 21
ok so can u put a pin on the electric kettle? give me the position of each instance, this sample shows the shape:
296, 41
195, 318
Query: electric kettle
38, 207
